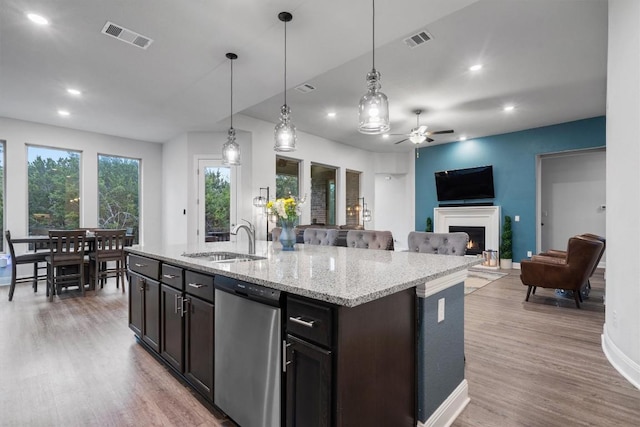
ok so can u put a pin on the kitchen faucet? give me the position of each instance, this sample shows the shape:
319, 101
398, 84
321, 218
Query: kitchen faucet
251, 232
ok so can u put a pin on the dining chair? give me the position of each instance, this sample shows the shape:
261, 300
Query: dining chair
108, 257
65, 262
34, 257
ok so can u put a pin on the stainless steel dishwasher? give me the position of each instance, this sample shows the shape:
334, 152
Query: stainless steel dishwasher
247, 365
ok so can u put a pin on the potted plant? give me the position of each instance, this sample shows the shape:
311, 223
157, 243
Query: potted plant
506, 244
429, 228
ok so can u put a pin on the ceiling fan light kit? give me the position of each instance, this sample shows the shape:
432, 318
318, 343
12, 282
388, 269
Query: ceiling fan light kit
419, 134
373, 110
285, 132
231, 149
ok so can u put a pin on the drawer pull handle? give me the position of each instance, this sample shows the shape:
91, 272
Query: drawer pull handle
299, 321
197, 285
169, 276
140, 265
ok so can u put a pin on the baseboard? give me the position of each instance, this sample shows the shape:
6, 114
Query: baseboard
620, 361
449, 410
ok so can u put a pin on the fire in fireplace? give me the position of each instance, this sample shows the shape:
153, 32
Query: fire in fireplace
476, 238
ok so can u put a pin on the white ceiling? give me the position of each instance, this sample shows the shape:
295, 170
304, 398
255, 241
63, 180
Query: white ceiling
546, 57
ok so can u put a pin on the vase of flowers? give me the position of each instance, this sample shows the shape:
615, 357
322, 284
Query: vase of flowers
286, 210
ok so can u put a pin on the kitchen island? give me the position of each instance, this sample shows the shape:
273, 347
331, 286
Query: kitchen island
369, 337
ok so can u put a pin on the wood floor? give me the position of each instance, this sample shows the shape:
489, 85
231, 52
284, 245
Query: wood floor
74, 362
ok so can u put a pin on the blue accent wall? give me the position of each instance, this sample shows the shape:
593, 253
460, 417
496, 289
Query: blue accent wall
513, 156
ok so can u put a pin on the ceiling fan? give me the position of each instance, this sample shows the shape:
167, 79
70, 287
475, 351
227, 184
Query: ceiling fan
419, 134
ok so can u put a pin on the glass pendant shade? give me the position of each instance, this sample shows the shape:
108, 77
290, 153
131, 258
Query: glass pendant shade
285, 132
374, 107
231, 150
259, 202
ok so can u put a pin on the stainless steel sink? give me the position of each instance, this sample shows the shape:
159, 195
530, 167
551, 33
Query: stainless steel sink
224, 257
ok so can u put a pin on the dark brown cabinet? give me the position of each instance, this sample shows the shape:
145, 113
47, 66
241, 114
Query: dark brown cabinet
144, 309
349, 366
308, 384
172, 327
198, 344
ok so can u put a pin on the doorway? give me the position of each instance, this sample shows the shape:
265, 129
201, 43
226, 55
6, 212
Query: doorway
216, 200
572, 196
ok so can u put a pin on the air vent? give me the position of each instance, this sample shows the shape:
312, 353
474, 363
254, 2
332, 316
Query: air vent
305, 88
418, 39
126, 35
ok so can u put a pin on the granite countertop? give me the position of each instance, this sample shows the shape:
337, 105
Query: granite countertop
343, 276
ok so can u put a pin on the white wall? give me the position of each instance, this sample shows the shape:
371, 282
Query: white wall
18, 134
621, 332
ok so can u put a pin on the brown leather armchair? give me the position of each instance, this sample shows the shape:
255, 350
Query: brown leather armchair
570, 273
563, 254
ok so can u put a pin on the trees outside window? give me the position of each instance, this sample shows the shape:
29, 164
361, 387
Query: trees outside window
54, 189
287, 177
118, 193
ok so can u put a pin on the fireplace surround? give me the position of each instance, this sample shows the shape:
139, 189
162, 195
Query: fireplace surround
470, 216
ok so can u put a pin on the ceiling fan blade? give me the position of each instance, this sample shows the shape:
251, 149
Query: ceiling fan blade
402, 140
430, 140
421, 130
440, 132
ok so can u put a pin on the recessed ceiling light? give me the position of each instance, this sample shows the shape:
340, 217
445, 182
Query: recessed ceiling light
385, 135
38, 19
463, 138
73, 91
509, 108
63, 113
476, 67
331, 114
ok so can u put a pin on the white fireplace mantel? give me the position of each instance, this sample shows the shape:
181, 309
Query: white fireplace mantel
470, 216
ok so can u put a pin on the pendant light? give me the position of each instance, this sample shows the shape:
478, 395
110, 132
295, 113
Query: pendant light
231, 149
285, 131
373, 113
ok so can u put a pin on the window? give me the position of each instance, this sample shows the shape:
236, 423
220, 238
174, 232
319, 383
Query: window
323, 194
216, 187
54, 189
287, 177
118, 194
2, 196
353, 197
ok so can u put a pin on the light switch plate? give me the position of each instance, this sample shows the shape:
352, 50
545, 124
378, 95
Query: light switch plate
517, 218
440, 310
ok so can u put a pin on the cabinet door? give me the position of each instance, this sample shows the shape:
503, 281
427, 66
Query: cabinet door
171, 327
308, 384
151, 324
136, 303
198, 352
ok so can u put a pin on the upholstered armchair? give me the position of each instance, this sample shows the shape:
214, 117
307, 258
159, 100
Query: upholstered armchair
321, 236
569, 273
370, 239
563, 254
438, 243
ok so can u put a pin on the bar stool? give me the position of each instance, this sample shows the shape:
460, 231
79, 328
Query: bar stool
34, 258
65, 262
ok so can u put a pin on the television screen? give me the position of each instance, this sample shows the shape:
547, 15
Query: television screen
465, 184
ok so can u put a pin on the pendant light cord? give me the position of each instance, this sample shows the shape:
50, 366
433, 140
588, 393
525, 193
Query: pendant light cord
231, 94
373, 34
285, 63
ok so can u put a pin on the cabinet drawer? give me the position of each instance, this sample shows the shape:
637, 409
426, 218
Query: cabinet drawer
200, 285
172, 276
309, 320
145, 266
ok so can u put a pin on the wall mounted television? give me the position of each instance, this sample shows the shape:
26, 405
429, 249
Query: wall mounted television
465, 184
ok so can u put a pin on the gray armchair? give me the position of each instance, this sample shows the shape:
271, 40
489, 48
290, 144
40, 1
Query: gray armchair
370, 239
321, 236
438, 243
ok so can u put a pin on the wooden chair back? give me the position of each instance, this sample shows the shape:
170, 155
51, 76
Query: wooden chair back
66, 245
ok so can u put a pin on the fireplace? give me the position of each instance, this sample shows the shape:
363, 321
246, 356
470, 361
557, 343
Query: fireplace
476, 237
469, 219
